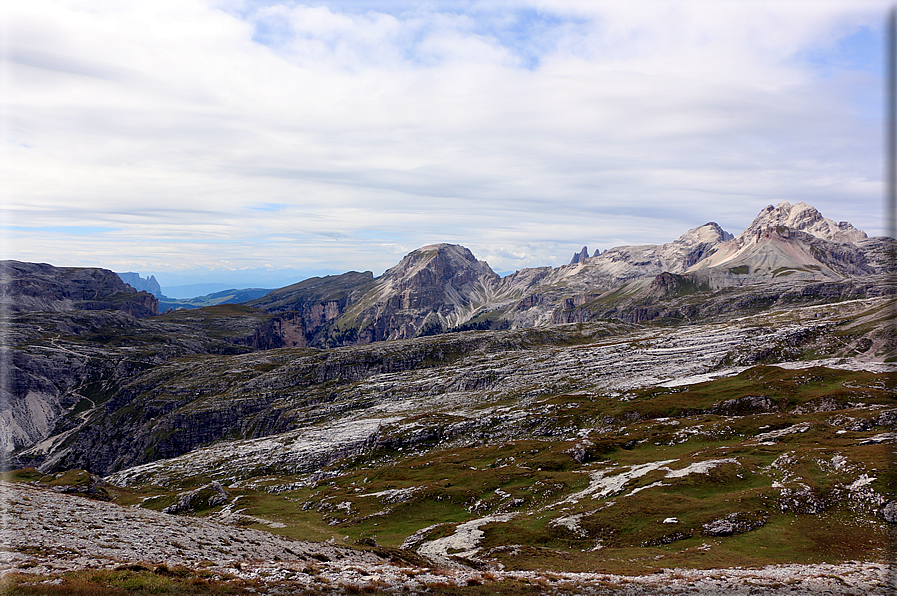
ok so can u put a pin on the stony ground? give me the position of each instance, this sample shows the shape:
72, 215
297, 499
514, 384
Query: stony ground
48, 533
356, 413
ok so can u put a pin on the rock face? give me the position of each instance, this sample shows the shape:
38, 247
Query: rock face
73, 362
793, 241
430, 290
629, 262
196, 401
804, 218
205, 497
41, 383
38, 287
142, 285
580, 256
317, 303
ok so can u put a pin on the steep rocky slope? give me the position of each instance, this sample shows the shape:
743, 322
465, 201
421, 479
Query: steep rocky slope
431, 289
802, 217
793, 241
76, 360
133, 409
31, 294
705, 275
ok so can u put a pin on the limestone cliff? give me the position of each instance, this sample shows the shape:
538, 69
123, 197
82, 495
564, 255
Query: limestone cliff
309, 310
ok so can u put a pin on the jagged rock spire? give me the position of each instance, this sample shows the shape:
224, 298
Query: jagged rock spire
580, 256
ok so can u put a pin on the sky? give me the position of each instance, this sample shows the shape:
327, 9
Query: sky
216, 140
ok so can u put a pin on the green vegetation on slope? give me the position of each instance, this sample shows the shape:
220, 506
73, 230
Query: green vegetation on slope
768, 466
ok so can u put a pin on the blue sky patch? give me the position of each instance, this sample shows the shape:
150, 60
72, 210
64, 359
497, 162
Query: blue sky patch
528, 33
862, 50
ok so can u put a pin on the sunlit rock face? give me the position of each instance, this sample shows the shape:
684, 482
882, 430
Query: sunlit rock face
431, 286
804, 218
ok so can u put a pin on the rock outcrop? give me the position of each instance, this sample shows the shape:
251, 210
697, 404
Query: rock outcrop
432, 289
706, 274
311, 308
758, 346
580, 256
39, 287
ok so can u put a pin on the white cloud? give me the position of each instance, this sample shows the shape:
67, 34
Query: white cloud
522, 130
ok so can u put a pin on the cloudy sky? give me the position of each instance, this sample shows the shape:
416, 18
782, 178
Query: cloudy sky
182, 136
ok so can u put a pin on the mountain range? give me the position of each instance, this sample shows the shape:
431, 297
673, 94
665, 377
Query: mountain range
443, 287
789, 254
717, 400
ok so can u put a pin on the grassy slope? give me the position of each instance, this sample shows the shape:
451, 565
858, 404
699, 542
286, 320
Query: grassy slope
791, 487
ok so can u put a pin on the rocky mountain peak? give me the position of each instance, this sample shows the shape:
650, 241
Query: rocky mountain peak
709, 232
692, 246
793, 240
432, 288
437, 262
801, 217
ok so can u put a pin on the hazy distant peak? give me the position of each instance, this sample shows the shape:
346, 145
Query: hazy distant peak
148, 284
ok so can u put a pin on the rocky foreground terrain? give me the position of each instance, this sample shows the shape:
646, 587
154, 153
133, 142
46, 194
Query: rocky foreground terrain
715, 414
48, 534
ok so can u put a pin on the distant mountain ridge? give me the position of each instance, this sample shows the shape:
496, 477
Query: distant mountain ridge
229, 296
443, 287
